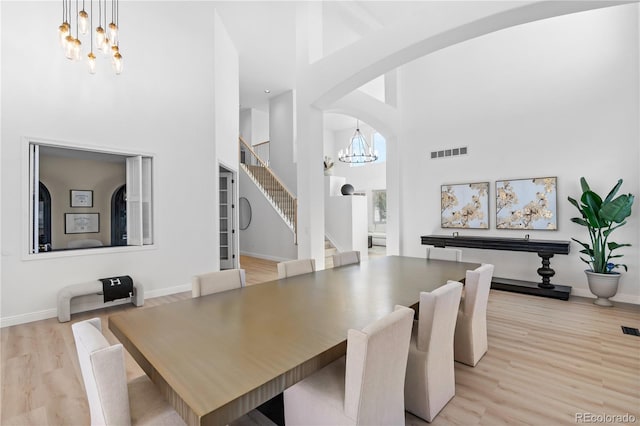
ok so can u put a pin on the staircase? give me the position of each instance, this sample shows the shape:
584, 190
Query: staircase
282, 200
329, 250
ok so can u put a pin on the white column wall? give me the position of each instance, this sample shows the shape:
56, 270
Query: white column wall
282, 139
551, 98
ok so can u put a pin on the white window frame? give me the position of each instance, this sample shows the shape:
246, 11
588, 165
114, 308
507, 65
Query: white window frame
30, 240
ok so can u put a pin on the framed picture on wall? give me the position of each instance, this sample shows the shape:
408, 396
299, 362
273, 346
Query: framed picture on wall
81, 198
465, 205
81, 223
526, 204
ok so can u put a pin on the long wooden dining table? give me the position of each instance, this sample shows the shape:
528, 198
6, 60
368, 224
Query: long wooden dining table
217, 357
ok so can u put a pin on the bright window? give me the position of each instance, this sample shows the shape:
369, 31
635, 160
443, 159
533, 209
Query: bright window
379, 206
380, 145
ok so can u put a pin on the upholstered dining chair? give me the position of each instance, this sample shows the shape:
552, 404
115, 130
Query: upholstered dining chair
292, 268
471, 327
215, 282
430, 382
443, 253
363, 388
113, 401
345, 258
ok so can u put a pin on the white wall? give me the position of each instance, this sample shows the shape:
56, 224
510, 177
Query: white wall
260, 123
267, 236
254, 125
345, 221
282, 137
552, 98
161, 106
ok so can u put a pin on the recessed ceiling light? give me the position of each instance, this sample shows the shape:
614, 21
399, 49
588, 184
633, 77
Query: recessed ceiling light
267, 91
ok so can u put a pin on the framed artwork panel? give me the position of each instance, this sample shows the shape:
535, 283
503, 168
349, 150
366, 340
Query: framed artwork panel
81, 198
81, 223
465, 205
527, 204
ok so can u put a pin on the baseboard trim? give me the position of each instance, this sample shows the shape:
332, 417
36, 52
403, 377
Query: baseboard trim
53, 313
167, 291
633, 299
265, 256
29, 317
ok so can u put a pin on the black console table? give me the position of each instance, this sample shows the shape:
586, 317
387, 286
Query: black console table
545, 249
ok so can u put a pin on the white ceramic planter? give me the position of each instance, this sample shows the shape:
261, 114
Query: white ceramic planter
603, 286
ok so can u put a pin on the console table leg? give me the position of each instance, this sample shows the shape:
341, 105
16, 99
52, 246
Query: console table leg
546, 272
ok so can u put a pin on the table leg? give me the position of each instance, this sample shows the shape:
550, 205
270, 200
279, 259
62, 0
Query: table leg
546, 272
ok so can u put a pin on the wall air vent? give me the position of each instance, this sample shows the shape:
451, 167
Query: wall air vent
449, 152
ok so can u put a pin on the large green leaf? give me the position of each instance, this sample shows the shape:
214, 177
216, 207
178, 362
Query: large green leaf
613, 228
579, 221
585, 245
617, 210
584, 185
612, 246
575, 203
591, 204
613, 192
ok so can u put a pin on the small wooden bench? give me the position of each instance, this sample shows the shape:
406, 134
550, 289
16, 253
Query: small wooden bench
94, 287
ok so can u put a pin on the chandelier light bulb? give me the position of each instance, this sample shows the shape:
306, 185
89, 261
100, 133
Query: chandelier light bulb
114, 49
77, 49
68, 47
105, 47
63, 32
100, 35
113, 33
83, 21
91, 60
117, 62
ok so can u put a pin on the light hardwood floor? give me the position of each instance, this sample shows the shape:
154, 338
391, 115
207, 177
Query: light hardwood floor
548, 360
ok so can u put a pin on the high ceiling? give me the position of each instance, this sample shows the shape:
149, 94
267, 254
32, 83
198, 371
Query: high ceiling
264, 35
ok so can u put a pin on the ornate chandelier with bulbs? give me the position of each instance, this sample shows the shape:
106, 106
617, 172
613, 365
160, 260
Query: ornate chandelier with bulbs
358, 150
80, 22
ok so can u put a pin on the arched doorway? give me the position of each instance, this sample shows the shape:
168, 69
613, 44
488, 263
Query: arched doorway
119, 217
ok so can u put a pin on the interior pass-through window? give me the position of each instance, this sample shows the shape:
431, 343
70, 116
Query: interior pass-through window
82, 199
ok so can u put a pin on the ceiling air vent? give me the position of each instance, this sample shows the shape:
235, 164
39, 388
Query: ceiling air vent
449, 152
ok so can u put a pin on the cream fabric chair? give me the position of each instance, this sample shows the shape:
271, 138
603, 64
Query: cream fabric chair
363, 388
345, 258
105, 381
296, 267
215, 282
442, 253
430, 381
471, 327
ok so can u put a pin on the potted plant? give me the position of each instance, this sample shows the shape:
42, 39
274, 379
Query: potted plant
601, 218
328, 166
